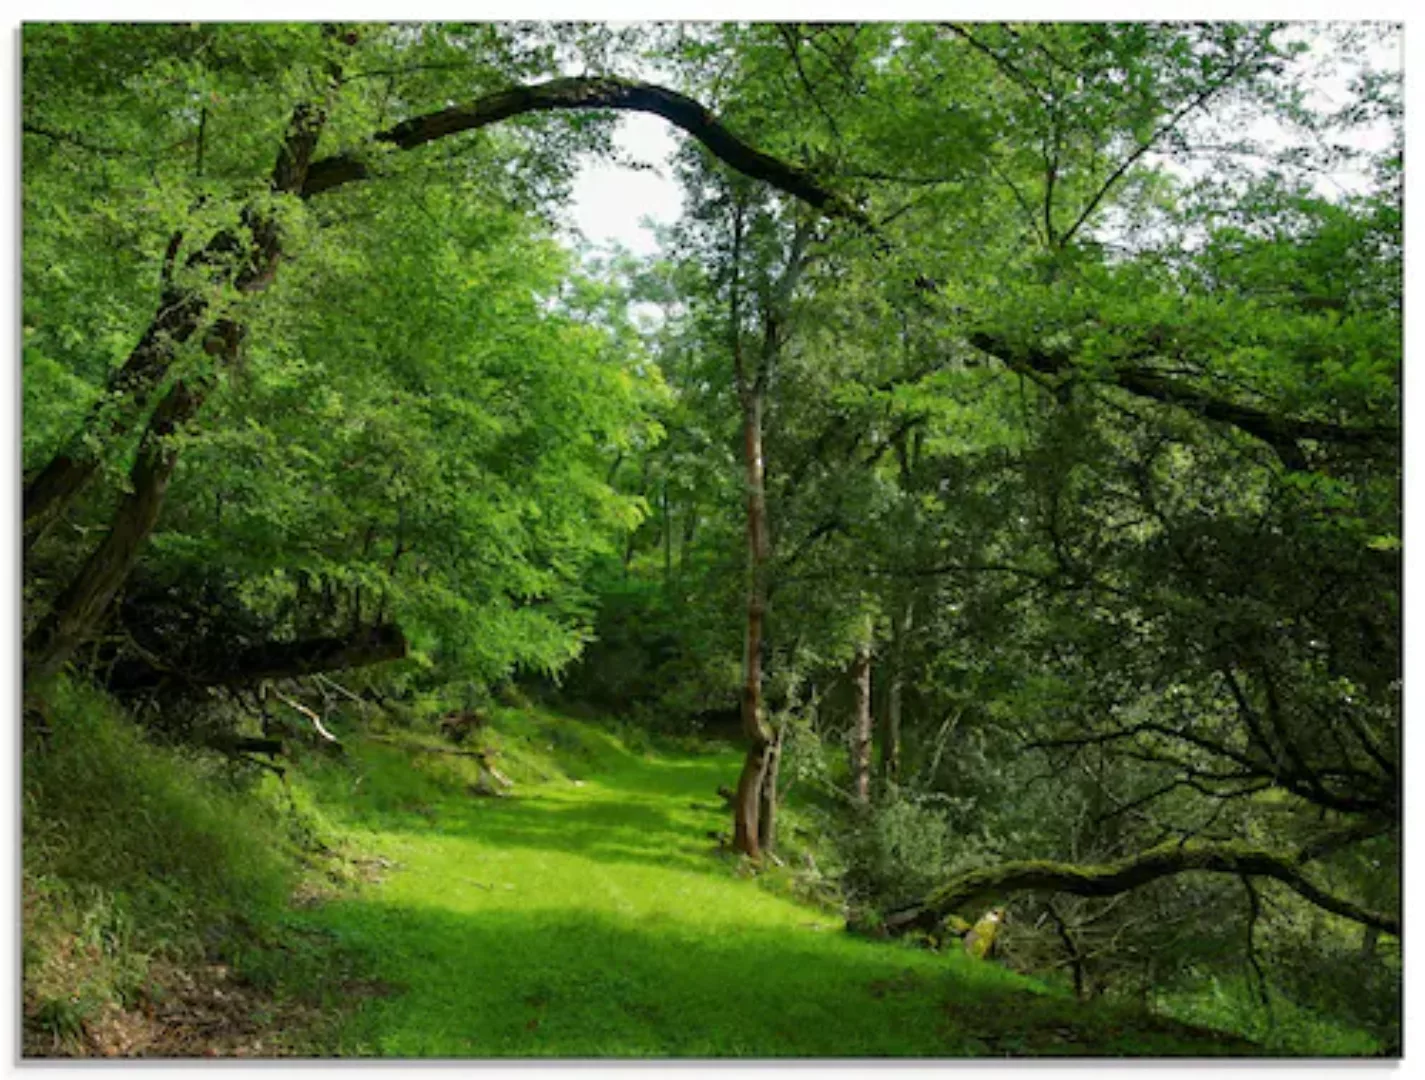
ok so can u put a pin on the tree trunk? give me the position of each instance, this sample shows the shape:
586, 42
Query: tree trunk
751, 393
667, 537
767, 823
1073, 956
747, 811
861, 728
250, 267
895, 693
51, 489
80, 608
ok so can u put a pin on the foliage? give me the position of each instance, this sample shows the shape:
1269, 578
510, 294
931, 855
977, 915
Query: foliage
900, 850
1074, 383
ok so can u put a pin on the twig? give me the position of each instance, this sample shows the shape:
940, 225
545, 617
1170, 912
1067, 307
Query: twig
340, 689
483, 756
308, 713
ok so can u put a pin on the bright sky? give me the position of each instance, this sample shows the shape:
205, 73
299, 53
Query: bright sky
612, 202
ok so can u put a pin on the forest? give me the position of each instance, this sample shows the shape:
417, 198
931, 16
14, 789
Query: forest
943, 603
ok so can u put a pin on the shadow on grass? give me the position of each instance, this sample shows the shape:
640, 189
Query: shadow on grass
560, 984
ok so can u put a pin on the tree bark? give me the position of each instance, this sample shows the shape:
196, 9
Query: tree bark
861, 728
667, 537
746, 832
895, 692
179, 314
79, 609
767, 822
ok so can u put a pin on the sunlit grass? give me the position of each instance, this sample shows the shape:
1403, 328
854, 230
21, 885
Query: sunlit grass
592, 916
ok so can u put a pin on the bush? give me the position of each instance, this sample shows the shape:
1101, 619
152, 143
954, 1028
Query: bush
895, 851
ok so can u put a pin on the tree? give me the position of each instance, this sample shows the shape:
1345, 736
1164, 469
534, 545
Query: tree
244, 259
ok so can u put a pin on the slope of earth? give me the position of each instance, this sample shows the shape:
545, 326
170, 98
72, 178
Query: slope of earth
593, 917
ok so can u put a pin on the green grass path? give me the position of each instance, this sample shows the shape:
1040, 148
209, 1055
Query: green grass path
593, 919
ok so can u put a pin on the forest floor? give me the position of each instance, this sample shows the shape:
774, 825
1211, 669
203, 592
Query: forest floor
593, 915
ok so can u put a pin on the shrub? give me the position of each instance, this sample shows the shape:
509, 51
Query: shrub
895, 851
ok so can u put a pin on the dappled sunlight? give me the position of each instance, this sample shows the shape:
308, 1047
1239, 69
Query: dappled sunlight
597, 919
597, 821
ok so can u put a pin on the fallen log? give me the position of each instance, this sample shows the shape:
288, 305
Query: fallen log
246, 744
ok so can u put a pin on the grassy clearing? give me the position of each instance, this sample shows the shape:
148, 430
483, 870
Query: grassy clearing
591, 916
374, 906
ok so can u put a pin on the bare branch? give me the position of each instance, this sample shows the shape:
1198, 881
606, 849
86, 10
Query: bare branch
1196, 102
308, 713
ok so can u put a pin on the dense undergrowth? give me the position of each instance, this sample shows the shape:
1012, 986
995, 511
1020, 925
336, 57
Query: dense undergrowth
382, 902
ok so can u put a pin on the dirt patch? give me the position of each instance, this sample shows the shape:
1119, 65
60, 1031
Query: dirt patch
310, 893
369, 988
198, 1012
371, 869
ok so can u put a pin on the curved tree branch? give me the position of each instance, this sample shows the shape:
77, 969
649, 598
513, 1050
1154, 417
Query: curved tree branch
590, 92
1110, 879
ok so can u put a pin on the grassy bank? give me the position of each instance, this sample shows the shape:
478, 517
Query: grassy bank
379, 904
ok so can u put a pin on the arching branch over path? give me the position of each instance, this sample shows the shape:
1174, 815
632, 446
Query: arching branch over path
249, 263
591, 92
1110, 879
182, 311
